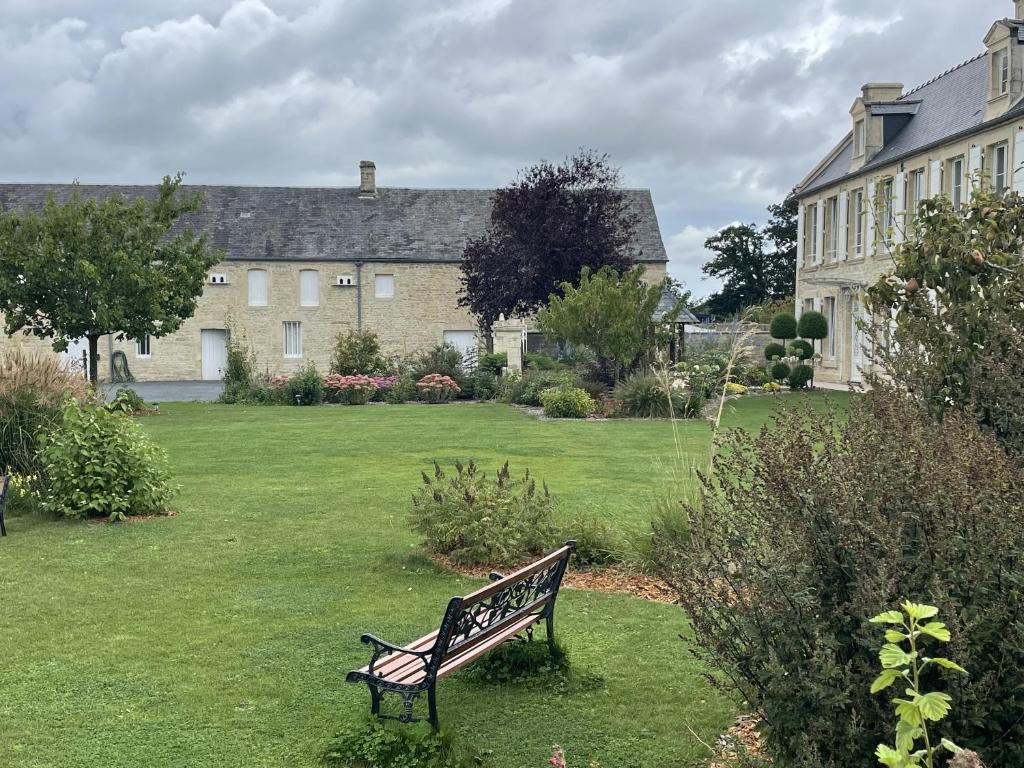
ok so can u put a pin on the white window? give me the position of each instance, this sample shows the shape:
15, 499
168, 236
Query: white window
888, 211
143, 347
859, 138
956, 181
257, 287
1001, 72
915, 193
309, 288
384, 286
811, 228
830, 315
292, 339
832, 212
999, 168
858, 222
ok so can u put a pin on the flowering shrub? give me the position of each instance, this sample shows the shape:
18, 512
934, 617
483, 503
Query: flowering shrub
277, 383
772, 387
350, 390
437, 388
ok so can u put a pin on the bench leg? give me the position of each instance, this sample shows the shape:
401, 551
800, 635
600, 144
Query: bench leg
550, 618
374, 701
432, 705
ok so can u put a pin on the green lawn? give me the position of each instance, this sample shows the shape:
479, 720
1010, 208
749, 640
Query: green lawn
221, 637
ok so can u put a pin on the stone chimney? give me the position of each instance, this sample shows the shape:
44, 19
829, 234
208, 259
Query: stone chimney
874, 92
367, 179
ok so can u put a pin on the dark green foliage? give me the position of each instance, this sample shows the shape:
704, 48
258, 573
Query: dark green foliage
358, 353
241, 382
813, 325
493, 362
304, 387
403, 391
535, 362
482, 384
99, 463
518, 662
130, 402
527, 389
783, 326
566, 403
598, 545
800, 376
780, 371
772, 351
443, 359
753, 376
597, 390
376, 744
811, 528
801, 349
476, 520
647, 396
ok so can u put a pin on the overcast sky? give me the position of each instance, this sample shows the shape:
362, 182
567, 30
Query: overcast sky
718, 106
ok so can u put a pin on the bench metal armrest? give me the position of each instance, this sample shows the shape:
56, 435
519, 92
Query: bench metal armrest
384, 648
495, 576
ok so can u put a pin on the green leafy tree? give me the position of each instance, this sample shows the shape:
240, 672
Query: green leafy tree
949, 327
904, 661
85, 268
607, 312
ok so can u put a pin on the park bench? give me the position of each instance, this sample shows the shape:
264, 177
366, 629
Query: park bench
472, 626
5, 480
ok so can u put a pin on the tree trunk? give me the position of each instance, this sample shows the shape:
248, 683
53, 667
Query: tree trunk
94, 368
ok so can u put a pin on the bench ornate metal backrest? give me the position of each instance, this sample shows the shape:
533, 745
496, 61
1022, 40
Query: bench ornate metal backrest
5, 480
509, 605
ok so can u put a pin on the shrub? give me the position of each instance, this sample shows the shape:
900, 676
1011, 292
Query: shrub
536, 362
527, 389
780, 371
358, 352
813, 325
773, 351
800, 376
810, 526
350, 390
801, 349
383, 384
239, 372
735, 388
753, 376
597, 545
645, 396
597, 390
305, 387
771, 387
384, 745
101, 464
518, 663
443, 359
33, 389
130, 402
783, 327
492, 363
482, 384
401, 391
476, 520
566, 403
436, 388
704, 369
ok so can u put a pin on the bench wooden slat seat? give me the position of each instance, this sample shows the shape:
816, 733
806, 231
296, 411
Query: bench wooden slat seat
472, 626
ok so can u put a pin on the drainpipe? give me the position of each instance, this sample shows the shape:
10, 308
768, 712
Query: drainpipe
359, 296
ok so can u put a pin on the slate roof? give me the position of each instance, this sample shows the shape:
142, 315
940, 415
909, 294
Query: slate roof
667, 304
951, 105
336, 224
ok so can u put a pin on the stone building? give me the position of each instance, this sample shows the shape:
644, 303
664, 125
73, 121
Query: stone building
961, 129
303, 265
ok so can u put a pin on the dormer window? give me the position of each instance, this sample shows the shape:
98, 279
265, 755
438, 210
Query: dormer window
859, 138
1001, 72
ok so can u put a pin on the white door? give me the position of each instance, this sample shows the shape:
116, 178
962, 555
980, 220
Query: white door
77, 355
465, 342
857, 342
215, 354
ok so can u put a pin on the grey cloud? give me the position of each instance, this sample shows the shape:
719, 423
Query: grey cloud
711, 103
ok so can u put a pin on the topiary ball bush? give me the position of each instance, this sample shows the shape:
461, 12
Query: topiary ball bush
566, 403
813, 325
773, 351
783, 326
802, 349
780, 372
800, 376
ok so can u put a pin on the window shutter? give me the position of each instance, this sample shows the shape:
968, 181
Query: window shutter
800, 255
870, 234
1018, 163
974, 165
819, 246
899, 207
309, 288
844, 233
257, 288
935, 179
